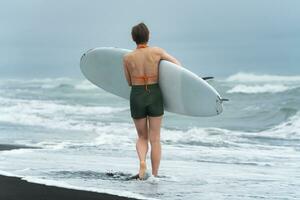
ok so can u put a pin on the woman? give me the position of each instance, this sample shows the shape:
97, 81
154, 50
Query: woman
146, 103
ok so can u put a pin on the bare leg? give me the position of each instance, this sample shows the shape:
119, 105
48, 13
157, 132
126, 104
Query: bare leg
154, 135
142, 143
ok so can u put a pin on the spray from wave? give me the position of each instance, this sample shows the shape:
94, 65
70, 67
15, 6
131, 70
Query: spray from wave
254, 89
250, 83
251, 77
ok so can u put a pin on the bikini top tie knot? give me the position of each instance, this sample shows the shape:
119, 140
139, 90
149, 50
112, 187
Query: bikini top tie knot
139, 46
145, 78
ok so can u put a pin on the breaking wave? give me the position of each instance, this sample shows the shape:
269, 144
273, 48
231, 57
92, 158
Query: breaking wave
251, 77
254, 89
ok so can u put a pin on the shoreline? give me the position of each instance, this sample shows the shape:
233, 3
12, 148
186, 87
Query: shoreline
14, 188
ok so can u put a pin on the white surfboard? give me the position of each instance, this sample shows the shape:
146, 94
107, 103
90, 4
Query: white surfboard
183, 91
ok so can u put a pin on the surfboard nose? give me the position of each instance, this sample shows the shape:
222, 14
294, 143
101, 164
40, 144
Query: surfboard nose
84, 58
82, 61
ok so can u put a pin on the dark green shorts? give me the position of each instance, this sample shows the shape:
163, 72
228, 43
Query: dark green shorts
146, 103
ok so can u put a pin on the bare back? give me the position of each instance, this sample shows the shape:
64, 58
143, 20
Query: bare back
143, 62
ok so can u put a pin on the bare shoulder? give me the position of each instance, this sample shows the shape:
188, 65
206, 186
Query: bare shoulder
158, 50
162, 54
126, 56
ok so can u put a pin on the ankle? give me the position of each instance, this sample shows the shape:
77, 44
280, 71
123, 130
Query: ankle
142, 163
155, 174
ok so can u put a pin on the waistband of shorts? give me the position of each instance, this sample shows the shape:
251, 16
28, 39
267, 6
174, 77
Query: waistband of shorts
150, 86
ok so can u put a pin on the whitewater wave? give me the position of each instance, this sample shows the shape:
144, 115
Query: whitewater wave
51, 114
265, 88
251, 77
74, 84
85, 85
52, 83
57, 115
56, 85
287, 131
50, 107
210, 137
37, 80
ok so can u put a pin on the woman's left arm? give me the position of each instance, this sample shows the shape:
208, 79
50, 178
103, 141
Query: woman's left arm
126, 71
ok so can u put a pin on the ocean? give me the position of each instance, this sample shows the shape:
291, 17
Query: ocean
85, 139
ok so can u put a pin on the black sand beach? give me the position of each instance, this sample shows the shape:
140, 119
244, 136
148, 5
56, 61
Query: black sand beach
13, 188
4, 147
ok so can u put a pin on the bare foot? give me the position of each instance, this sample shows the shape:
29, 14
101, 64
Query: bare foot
143, 168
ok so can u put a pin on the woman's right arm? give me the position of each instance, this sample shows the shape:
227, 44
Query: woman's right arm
165, 56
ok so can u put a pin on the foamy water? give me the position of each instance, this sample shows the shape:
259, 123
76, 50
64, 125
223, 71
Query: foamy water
86, 140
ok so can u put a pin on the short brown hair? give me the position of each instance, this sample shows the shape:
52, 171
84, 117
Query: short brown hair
140, 33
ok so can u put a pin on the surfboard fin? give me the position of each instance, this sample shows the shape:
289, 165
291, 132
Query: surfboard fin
224, 100
207, 77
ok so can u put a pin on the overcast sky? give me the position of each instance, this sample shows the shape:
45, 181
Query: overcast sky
40, 38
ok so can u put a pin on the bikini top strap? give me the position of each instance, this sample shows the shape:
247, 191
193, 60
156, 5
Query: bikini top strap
145, 78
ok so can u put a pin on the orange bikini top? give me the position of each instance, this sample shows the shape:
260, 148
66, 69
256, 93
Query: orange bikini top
145, 77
